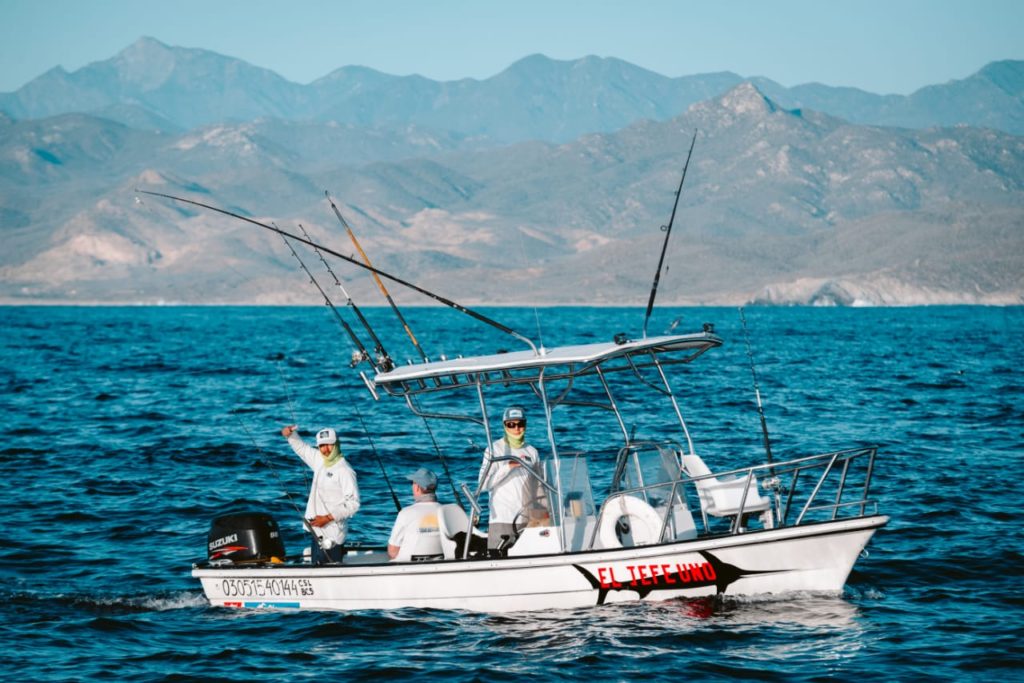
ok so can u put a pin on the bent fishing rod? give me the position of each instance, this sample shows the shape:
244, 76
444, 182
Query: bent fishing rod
385, 359
757, 394
380, 285
408, 331
380, 362
437, 297
668, 232
379, 347
387, 481
369, 329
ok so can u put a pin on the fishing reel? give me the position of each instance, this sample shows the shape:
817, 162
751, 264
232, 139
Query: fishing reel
385, 364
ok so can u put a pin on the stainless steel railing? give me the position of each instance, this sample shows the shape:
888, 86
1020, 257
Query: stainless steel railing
820, 487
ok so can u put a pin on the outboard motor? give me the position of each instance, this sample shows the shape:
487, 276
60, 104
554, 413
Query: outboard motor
245, 537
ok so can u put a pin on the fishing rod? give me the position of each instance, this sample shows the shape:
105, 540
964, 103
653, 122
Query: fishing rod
291, 408
757, 394
287, 394
362, 352
444, 461
437, 297
382, 357
379, 347
668, 232
380, 285
373, 447
408, 331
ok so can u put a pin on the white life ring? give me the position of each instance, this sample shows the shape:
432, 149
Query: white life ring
644, 522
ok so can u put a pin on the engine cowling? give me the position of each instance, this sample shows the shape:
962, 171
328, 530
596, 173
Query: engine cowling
245, 537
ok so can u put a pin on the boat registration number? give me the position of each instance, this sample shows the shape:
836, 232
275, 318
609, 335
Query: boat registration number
264, 588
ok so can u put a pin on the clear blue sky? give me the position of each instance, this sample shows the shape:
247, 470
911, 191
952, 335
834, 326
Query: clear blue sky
889, 46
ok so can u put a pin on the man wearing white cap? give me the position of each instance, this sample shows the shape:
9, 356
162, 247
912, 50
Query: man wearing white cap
416, 535
508, 483
333, 495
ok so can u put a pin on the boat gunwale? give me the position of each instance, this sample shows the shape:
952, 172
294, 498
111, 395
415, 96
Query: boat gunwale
638, 553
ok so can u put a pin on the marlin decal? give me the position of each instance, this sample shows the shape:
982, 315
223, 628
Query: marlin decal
666, 576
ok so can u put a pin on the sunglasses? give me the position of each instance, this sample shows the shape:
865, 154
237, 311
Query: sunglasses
516, 424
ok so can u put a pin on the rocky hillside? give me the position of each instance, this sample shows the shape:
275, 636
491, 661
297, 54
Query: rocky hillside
779, 206
547, 183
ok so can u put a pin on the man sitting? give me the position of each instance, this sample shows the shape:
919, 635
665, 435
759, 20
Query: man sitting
416, 535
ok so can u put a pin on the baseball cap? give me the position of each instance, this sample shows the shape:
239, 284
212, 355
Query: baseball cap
326, 435
514, 413
426, 479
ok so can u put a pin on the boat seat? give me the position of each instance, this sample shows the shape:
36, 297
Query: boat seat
721, 497
454, 526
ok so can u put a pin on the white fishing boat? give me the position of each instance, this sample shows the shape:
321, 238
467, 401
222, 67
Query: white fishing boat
666, 527
631, 519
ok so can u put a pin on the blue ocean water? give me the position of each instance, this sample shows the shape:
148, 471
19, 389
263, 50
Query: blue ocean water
127, 429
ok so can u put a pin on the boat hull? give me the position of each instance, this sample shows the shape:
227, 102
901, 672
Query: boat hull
811, 557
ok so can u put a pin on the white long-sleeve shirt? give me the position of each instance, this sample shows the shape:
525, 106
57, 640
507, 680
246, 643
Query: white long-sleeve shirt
334, 491
509, 486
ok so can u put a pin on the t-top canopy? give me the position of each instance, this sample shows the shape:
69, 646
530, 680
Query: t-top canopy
526, 366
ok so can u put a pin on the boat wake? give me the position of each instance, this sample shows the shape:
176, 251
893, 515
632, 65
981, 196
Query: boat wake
108, 605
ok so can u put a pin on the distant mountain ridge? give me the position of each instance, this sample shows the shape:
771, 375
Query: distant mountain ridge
545, 183
781, 206
152, 85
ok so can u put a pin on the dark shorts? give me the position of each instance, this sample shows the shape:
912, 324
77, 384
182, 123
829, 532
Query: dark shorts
330, 556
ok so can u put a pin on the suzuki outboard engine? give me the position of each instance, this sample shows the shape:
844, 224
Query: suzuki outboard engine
245, 537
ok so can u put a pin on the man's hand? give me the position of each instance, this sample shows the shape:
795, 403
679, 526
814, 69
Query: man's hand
321, 520
287, 431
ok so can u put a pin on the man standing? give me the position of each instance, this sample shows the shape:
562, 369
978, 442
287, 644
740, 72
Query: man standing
508, 482
333, 495
416, 534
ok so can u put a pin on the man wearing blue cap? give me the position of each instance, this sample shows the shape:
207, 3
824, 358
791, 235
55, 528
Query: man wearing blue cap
416, 535
333, 495
508, 482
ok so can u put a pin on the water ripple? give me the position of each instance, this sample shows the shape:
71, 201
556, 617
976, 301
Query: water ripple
127, 430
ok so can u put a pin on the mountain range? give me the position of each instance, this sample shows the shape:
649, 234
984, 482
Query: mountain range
546, 183
152, 85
